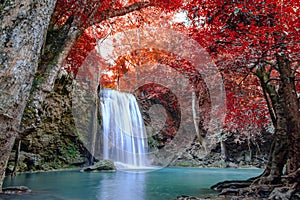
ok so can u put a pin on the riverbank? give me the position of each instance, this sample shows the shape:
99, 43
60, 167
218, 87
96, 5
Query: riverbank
244, 154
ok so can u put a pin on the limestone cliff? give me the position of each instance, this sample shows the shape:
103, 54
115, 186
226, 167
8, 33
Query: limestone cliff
50, 139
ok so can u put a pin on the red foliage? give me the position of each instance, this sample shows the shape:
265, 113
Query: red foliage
242, 37
81, 49
246, 107
239, 35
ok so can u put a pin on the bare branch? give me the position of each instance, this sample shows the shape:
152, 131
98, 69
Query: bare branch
245, 77
269, 63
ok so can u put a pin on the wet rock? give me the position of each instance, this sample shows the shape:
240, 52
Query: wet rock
101, 166
16, 190
248, 157
232, 165
184, 197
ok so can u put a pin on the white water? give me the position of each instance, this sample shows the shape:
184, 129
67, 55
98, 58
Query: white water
125, 138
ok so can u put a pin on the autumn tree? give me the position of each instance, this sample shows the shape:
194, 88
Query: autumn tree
260, 38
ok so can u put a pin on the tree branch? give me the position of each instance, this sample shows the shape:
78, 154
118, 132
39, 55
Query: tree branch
93, 19
272, 79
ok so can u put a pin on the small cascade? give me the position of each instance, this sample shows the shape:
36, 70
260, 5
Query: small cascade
125, 138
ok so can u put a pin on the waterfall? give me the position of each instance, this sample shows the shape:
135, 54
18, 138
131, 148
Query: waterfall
124, 134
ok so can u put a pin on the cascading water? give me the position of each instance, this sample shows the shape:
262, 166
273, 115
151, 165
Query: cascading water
125, 138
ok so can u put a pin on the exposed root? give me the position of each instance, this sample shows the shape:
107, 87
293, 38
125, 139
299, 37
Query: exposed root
287, 188
284, 193
261, 191
231, 185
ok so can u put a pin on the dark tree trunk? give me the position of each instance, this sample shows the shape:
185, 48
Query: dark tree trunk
23, 28
280, 145
292, 112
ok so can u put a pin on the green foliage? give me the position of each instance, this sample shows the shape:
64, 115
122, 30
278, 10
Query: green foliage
152, 143
69, 151
187, 165
38, 79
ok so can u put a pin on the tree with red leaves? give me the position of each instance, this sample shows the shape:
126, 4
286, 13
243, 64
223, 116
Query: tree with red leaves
260, 38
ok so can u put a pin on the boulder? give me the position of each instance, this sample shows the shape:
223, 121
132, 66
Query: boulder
16, 190
101, 166
185, 197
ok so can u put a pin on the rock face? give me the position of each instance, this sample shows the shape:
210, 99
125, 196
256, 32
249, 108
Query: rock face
50, 140
243, 154
101, 166
23, 28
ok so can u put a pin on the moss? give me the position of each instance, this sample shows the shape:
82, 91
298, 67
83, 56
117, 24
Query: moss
248, 153
28, 113
69, 151
103, 165
152, 143
55, 42
184, 165
54, 138
38, 80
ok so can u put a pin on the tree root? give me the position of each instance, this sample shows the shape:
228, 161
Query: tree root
287, 188
231, 185
285, 193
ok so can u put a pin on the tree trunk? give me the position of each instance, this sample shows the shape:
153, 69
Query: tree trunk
195, 118
284, 107
224, 152
7, 140
280, 145
23, 28
277, 160
287, 78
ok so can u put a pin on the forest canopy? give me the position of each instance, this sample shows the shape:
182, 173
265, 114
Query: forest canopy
239, 59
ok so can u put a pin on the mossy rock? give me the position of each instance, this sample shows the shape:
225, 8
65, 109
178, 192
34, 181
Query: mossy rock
101, 166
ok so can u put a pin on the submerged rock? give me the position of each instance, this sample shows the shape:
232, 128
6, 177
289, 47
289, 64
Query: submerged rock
16, 190
101, 166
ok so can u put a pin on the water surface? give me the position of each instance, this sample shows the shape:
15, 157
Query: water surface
166, 183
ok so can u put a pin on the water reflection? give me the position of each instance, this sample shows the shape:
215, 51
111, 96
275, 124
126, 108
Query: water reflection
129, 186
